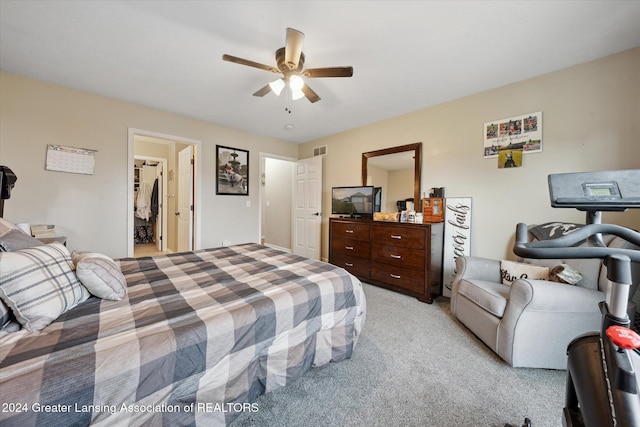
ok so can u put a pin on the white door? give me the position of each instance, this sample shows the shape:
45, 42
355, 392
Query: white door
160, 226
307, 207
185, 200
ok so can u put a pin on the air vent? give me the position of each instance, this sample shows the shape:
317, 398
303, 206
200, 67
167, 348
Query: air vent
320, 151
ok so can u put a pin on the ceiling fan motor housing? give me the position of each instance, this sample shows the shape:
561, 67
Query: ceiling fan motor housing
283, 66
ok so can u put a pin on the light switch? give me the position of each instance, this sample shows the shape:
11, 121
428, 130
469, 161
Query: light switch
248, 203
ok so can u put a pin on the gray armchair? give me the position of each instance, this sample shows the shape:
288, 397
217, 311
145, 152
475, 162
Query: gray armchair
531, 322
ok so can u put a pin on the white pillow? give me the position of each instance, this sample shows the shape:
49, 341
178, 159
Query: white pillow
38, 284
511, 271
100, 275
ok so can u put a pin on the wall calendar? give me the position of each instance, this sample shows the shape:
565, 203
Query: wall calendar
70, 159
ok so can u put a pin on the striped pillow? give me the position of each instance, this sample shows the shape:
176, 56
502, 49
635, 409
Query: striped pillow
100, 275
38, 284
5, 315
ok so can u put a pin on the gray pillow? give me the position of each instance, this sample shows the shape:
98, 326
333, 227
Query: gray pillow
17, 239
5, 315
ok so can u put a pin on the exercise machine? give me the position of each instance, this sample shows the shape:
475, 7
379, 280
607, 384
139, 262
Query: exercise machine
603, 368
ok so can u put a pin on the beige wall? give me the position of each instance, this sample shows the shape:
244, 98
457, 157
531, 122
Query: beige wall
92, 209
591, 118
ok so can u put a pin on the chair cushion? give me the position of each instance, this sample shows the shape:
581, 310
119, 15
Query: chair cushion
490, 296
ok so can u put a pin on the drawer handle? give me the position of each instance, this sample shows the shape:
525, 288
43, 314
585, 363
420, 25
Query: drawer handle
395, 236
348, 264
348, 231
396, 256
349, 248
395, 276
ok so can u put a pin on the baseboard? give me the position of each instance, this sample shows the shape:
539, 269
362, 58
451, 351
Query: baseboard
278, 247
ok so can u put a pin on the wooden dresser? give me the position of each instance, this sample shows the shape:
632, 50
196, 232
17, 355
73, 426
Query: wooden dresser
400, 256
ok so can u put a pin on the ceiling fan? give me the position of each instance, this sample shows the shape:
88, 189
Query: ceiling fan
290, 62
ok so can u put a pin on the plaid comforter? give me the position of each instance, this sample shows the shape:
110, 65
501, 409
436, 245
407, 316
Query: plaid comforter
197, 338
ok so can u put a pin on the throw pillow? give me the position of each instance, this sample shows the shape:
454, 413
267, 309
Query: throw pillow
100, 275
38, 284
6, 226
563, 273
5, 315
17, 239
511, 271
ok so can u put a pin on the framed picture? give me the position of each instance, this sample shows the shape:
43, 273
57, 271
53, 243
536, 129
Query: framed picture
232, 176
513, 133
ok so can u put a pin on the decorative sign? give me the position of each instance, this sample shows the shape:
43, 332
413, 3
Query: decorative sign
514, 133
70, 159
457, 238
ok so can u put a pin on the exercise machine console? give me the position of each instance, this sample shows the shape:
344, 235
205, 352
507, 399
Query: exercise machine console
603, 368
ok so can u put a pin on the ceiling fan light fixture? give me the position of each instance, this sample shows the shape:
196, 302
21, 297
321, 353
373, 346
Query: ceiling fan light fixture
296, 94
290, 65
296, 83
277, 86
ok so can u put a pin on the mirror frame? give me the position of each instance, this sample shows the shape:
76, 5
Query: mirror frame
417, 171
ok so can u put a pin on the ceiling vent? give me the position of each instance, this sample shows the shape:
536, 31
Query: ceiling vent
320, 151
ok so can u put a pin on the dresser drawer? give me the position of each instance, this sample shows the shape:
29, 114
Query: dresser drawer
398, 255
350, 230
399, 236
349, 248
406, 278
359, 267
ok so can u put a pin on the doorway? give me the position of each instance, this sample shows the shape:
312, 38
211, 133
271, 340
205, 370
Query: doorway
276, 191
291, 204
155, 160
150, 215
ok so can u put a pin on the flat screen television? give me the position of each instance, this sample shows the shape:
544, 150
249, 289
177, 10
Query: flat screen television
352, 201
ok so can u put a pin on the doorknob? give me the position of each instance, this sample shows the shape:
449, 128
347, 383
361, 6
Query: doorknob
177, 213
317, 214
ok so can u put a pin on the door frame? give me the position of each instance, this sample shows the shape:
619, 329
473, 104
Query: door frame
131, 134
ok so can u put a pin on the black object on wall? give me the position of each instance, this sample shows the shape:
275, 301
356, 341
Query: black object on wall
7, 181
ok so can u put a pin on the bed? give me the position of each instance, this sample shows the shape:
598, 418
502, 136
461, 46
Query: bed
196, 339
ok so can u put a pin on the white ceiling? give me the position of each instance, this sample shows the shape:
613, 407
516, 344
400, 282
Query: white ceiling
406, 55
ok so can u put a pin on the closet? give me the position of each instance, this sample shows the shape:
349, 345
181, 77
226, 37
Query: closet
146, 182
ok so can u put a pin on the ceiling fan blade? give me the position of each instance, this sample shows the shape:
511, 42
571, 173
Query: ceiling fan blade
246, 62
328, 72
310, 94
293, 48
263, 91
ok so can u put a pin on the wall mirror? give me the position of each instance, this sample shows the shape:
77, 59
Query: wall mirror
397, 171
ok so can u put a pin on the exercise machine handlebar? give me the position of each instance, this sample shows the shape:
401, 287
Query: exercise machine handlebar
564, 247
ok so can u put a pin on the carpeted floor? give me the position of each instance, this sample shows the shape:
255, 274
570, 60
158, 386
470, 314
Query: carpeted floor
414, 365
